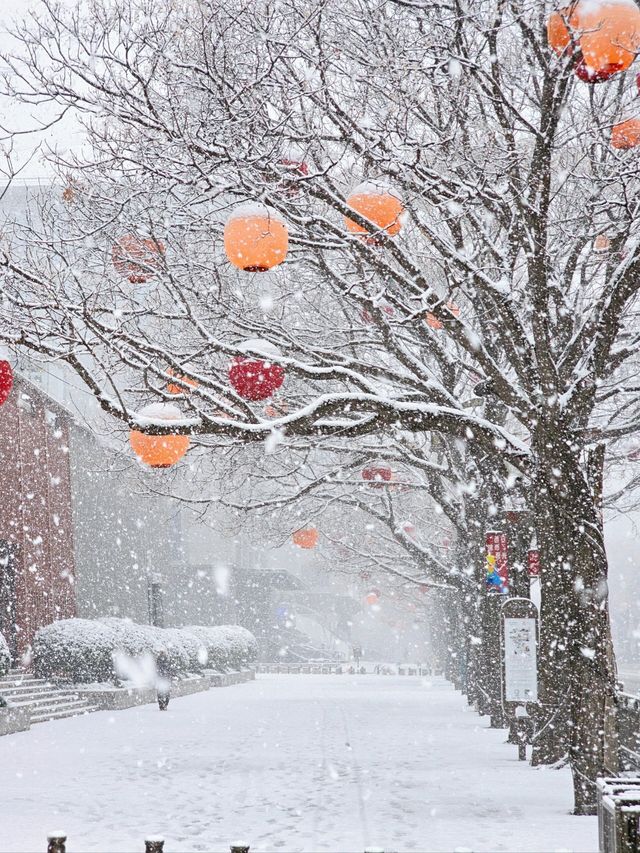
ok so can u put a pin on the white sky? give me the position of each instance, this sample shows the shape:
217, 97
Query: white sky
28, 151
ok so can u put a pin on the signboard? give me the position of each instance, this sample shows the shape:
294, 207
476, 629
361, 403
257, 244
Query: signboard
497, 579
520, 659
534, 563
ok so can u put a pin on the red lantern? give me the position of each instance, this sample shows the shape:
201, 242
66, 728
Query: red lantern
377, 475
373, 597
424, 589
365, 576
368, 319
6, 381
136, 258
256, 378
409, 529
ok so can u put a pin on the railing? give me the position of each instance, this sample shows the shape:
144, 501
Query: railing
57, 843
341, 669
618, 814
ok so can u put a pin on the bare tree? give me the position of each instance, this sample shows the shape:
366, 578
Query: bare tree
501, 158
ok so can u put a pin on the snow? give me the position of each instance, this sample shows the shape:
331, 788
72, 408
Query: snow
251, 209
300, 762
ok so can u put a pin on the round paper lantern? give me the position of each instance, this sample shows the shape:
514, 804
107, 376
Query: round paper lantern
373, 597
292, 169
365, 575
159, 451
255, 238
606, 32
602, 243
381, 205
408, 528
6, 381
256, 378
377, 475
276, 410
626, 134
306, 538
173, 388
434, 323
367, 317
137, 258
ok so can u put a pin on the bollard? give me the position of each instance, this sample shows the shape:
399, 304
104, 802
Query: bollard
239, 848
56, 842
154, 844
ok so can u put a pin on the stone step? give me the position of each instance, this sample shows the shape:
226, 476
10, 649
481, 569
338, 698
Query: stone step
53, 699
26, 689
10, 679
42, 715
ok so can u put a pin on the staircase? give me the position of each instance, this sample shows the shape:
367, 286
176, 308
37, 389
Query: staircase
44, 700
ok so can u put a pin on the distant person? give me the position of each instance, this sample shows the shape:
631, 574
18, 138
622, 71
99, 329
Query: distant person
163, 680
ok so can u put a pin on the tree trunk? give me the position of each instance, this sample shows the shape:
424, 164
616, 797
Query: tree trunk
577, 671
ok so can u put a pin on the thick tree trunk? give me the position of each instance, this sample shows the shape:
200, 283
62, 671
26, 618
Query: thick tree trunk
576, 655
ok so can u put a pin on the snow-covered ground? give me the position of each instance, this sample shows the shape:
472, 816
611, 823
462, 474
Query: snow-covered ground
289, 763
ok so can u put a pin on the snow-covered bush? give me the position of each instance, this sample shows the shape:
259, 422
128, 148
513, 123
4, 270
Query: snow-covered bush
83, 650
5, 657
227, 646
78, 649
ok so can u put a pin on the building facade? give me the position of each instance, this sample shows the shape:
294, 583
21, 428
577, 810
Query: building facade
37, 578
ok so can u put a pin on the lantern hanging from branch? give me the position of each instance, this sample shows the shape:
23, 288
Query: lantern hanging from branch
377, 475
6, 380
175, 388
292, 170
372, 597
256, 378
434, 323
381, 205
626, 134
602, 243
137, 258
159, 451
255, 238
306, 538
605, 32
367, 317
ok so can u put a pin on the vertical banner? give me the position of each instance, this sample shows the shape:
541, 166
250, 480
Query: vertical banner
497, 562
534, 563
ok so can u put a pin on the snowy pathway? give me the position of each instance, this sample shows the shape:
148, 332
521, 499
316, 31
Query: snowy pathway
290, 763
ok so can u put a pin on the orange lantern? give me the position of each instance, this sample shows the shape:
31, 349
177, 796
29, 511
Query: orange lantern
255, 238
601, 243
159, 451
373, 597
306, 538
607, 34
378, 203
136, 258
434, 323
173, 388
626, 134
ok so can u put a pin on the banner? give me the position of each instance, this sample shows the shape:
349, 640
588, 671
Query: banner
534, 563
497, 562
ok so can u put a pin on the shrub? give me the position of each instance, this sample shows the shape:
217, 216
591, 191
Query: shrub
5, 657
78, 649
227, 646
82, 650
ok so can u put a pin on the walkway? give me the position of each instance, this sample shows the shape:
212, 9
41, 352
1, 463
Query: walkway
289, 763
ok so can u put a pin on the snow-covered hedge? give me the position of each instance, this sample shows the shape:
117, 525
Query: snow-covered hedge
5, 657
227, 646
82, 650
